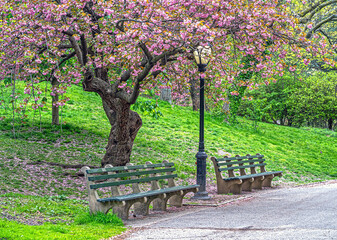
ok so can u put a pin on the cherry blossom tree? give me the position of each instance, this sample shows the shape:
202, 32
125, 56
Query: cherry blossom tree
118, 48
319, 18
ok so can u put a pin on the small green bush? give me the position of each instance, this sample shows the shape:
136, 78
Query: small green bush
101, 218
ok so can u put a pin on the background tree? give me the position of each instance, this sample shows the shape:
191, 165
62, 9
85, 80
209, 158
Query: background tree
315, 101
319, 18
309, 101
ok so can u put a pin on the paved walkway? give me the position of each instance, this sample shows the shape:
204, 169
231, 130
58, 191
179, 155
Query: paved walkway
308, 212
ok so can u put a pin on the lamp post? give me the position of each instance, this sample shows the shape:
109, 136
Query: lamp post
202, 58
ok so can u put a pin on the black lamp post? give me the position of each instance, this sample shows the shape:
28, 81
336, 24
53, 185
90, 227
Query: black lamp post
202, 58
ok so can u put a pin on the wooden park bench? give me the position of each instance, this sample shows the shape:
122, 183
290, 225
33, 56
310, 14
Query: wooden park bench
231, 175
137, 185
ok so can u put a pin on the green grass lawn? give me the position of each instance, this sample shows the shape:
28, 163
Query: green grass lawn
53, 217
304, 154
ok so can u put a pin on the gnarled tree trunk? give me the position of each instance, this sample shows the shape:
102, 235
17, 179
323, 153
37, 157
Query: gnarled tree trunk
125, 124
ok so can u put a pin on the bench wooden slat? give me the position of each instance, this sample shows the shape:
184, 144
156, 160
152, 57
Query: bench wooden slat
236, 158
236, 162
138, 180
242, 167
252, 175
147, 194
114, 169
128, 174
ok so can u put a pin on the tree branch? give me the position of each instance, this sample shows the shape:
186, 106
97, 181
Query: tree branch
77, 50
311, 8
66, 58
318, 25
145, 51
84, 49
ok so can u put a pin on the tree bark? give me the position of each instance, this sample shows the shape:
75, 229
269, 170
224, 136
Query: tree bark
330, 123
194, 94
55, 109
225, 106
125, 124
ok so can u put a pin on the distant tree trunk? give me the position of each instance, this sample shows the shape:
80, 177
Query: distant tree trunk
194, 91
55, 109
330, 123
225, 106
165, 95
290, 122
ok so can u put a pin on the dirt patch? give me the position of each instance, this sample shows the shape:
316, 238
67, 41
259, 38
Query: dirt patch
20, 218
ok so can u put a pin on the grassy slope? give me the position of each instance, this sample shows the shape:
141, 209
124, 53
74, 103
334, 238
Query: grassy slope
304, 155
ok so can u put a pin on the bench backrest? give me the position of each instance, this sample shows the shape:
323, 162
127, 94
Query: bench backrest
131, 174
240, 163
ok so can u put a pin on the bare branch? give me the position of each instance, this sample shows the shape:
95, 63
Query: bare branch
84, 49
77, 50
146, 51
66, 58
311, 8
318, 25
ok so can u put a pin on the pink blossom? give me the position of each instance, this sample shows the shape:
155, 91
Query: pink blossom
306, 61
122, 85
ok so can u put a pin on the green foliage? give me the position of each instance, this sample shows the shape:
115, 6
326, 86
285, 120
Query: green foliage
11, 230
316, 99
148, 107
101, 218
272, 101
239, 86
255, 114
52, 217
296, 102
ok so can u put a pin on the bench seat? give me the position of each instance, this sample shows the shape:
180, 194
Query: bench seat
232, 174
253, 175
147, 194
120, 188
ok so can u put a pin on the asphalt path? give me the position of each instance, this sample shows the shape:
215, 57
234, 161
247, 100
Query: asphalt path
307, 212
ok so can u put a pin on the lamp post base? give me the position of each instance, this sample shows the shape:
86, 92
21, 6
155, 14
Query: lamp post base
201, 156
201, 196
